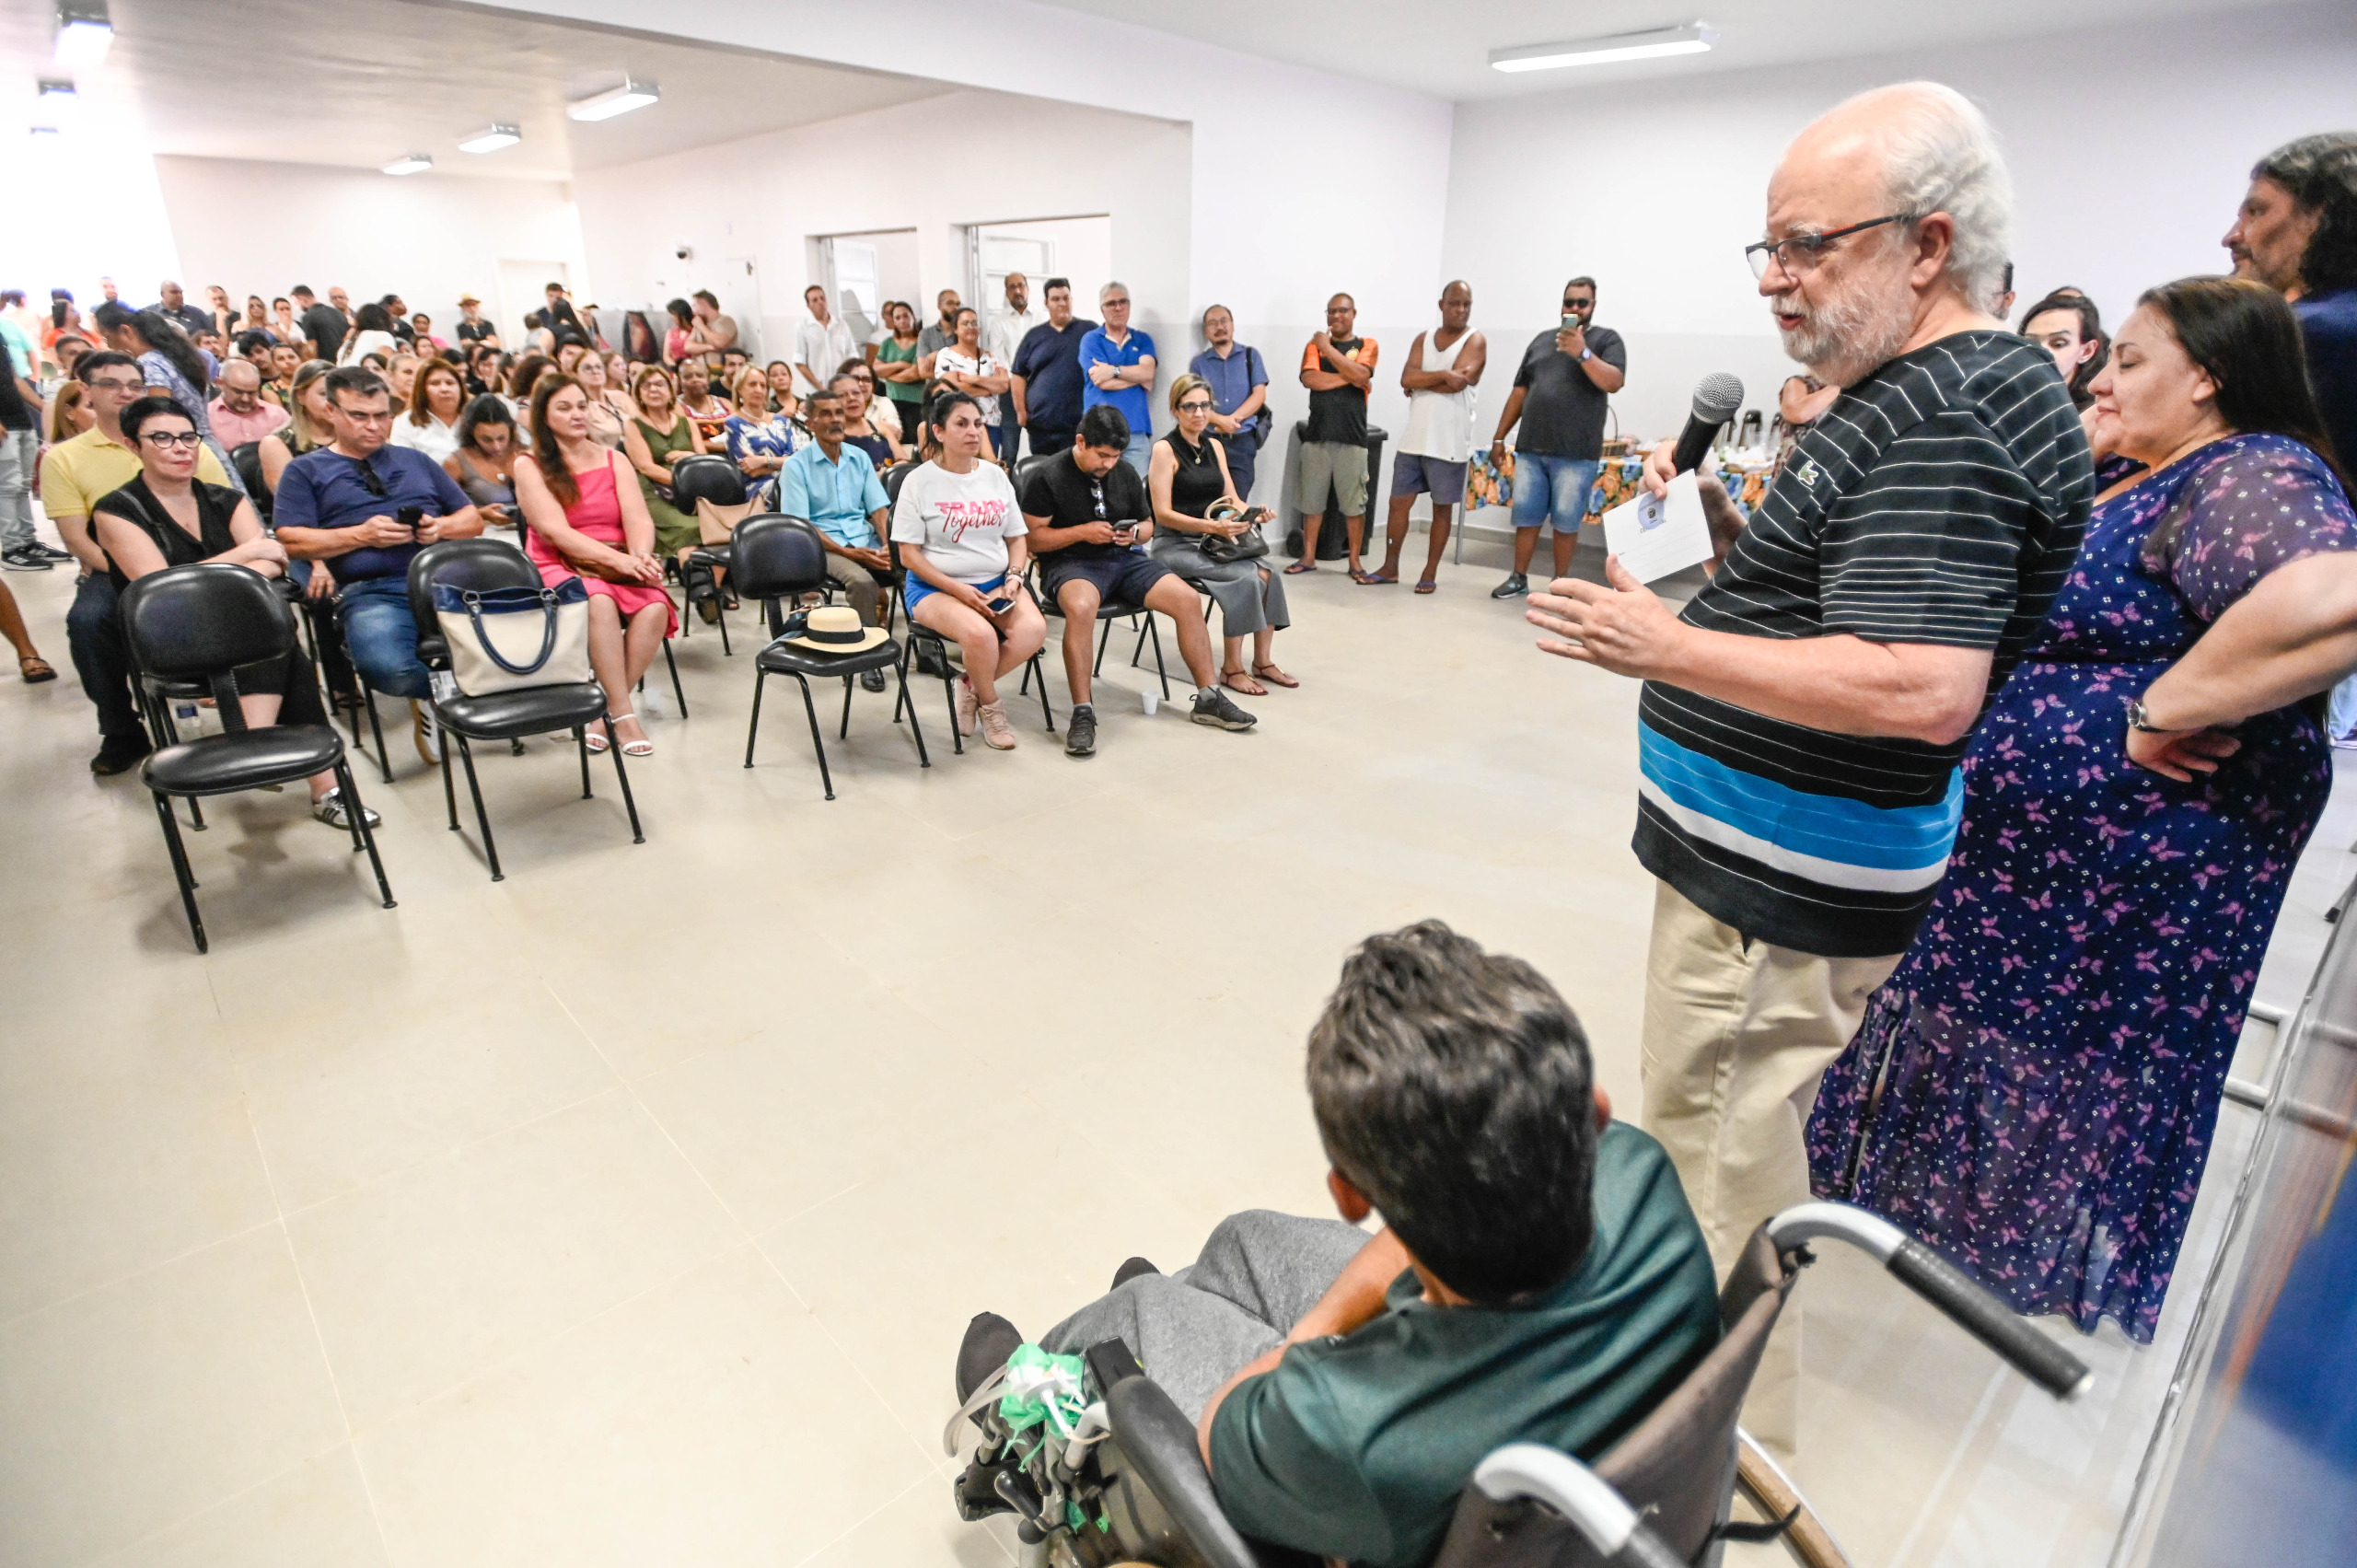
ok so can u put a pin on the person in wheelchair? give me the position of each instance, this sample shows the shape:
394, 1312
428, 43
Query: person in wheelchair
1539, 1276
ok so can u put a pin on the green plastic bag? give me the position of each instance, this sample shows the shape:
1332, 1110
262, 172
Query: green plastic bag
1042, 1387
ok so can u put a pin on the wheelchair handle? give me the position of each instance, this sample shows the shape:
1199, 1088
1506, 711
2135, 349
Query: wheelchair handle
1945, 1286
1584, 1498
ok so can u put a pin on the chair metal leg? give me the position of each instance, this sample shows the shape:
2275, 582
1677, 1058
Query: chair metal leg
676, 689
818, 741
1159, 667
722, 621
180, 872
1046, 712
846, 729
449, 790
363, 835
1104, 636
754, 728
949, 704
923, 758
622, 775
581, 744
1137, 651
195, 815
482, 818
384, 758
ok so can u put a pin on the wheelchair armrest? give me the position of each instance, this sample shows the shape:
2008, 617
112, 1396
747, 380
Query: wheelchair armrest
1160, 1442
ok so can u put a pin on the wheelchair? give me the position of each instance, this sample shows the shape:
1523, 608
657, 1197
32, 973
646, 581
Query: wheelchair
1127, 1484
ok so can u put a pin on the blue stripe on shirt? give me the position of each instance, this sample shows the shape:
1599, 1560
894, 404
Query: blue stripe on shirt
1826, 827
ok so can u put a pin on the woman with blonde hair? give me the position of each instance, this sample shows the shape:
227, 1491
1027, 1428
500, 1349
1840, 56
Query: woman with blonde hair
759, 441
606, 421
307, 424
69, 414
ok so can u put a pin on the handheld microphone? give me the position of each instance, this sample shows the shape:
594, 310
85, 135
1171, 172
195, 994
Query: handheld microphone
1716, 398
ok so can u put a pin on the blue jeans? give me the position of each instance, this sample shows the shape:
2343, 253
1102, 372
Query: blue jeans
1552, 490
1241, 457
382, 635
1140, 451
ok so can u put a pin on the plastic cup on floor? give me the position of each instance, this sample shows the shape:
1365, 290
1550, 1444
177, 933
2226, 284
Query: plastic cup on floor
1152, 700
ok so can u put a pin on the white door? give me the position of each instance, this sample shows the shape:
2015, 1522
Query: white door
523, 288
854, 284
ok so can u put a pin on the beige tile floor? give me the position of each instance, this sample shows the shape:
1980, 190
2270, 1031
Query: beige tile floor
628, 1210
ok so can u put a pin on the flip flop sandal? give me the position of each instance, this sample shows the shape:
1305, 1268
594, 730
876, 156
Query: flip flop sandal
1273, 676
1298, 567
1228, 677
1427, 586
34, 668
1374, 580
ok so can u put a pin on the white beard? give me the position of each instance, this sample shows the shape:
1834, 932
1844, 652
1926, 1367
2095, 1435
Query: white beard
1843, 339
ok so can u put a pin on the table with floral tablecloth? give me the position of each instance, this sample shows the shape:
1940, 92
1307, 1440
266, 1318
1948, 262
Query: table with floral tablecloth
1488, 484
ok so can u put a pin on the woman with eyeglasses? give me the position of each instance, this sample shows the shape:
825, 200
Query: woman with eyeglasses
1186, 479
759, 441
864, 414
169, 517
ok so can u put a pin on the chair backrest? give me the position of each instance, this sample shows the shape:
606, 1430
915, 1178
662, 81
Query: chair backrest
467, 563
706, 478
1033, 464
1676, 1464
192, 622
777, 556
894, 477
247, 460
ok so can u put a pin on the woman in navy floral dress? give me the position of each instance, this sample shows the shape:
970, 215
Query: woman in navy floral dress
2032, 1091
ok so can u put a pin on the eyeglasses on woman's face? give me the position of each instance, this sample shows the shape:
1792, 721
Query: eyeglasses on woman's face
171, 440
1196, 405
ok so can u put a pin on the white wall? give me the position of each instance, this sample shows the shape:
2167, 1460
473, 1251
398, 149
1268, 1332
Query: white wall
263, 227
2128, 148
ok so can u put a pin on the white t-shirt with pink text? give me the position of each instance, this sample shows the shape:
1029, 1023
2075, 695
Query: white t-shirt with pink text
962, 520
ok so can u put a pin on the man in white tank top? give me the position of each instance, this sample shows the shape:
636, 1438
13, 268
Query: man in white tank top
1443, 370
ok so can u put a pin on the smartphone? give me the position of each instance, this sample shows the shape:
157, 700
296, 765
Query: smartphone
1570, 322
999, 605
410, 517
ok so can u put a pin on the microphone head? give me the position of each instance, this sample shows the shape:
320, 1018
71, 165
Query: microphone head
1717, 397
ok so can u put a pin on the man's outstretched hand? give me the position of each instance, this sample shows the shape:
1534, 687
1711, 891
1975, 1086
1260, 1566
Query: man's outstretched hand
1624, 627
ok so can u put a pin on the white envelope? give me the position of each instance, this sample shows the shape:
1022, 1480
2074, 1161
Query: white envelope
1653, 538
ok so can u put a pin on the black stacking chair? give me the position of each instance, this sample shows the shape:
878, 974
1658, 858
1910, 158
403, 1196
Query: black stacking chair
707, 477
501, 716
247, 460
1108, 610
778, 558
198, 624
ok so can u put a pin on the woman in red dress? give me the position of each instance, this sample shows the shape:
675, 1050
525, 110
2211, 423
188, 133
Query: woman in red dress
586, 518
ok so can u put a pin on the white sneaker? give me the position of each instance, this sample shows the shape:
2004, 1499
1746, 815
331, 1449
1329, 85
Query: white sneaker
997, 733
968, 706
427, 732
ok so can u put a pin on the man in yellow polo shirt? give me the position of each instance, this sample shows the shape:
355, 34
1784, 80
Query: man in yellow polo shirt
74, 475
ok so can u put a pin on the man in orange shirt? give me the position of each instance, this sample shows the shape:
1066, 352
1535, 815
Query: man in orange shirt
1337, 367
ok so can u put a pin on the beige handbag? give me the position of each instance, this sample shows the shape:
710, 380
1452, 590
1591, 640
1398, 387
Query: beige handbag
717, 522
503, 639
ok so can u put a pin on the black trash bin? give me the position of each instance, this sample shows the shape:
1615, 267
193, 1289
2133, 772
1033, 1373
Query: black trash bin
1333, 540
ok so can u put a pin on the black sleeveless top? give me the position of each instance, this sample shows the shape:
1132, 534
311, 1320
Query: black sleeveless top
1198, 482
136, 505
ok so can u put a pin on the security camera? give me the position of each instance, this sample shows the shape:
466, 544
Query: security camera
683, 250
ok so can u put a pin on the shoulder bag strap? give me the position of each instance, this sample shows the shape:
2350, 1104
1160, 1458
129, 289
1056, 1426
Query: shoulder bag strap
491, 650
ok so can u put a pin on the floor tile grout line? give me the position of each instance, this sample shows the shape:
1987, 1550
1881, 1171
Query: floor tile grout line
831, 1541
275, 1221
746, 1232
222, 1502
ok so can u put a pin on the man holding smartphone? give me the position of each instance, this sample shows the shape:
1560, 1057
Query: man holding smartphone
370, 507
1090, 514
1559, 395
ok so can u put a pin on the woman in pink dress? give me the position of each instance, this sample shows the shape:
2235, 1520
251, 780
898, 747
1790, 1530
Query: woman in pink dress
586, 518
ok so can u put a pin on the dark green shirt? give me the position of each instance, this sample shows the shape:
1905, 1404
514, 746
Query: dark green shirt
1357, 1447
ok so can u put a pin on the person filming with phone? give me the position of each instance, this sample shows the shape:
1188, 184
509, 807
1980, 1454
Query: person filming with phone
369, 508
1205, 534
1088, 513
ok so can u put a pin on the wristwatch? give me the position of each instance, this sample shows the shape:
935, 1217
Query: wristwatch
1587, 353
2138, 719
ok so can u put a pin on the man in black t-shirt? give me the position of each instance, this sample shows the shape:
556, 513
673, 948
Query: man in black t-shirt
323, 325
1559, 394
1090, 519
1337, 367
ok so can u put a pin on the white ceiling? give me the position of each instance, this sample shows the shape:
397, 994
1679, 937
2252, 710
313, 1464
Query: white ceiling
1442, 47
358, 83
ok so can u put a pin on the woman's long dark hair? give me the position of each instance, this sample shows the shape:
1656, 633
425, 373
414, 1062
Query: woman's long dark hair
545, 451
525, 373
372, 318
2246, 339
161, 333
484, 410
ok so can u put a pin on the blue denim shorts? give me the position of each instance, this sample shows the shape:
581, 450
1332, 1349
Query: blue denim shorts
915, 590
1552, 490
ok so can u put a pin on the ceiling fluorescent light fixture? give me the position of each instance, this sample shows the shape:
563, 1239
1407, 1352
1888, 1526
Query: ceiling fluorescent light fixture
83, 34
614, 101
491, 139
1695, 38
416, 163
58, 98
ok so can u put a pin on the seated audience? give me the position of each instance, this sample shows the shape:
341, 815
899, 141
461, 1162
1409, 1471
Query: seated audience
372, 332
759, 441
862, 415
780, 374
606, 417
74, 475
833, 485
969, 367
169, 362
618, 392
484, 460
420, 327
65, 350
586, 520
880, 411
69, 415
1537, 1277
1186, 476
654, 441
962, 546
430, 423
522, 377
307, 424
240, 414
570, 347
342, 504
734, 363
401, 375
285, 359
700, 403
1088, 514
166, 516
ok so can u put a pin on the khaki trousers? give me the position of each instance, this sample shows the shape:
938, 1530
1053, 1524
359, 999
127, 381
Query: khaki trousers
1738, 1034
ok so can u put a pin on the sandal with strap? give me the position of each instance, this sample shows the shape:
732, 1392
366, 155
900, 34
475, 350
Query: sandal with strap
1237, 680
632, 747
34, 668
1273, 676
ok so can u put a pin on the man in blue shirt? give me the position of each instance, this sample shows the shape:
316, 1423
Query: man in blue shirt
1239, 385
341, 504
833, 487
1119, 364
1047, 384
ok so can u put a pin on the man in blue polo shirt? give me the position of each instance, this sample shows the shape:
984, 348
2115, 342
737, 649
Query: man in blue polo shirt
1119, 364
342, 504
833, 486
1239, 385
1047, 385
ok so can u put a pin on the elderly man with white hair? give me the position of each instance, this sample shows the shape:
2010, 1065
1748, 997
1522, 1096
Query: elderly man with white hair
1802, 720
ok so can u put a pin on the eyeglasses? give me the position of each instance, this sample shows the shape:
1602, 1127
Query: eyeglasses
186, 440
1195, 405
115, 384
1800, 254
369, 478
1579, 304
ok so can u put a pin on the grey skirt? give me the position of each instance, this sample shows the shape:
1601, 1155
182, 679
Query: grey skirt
1247, 603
